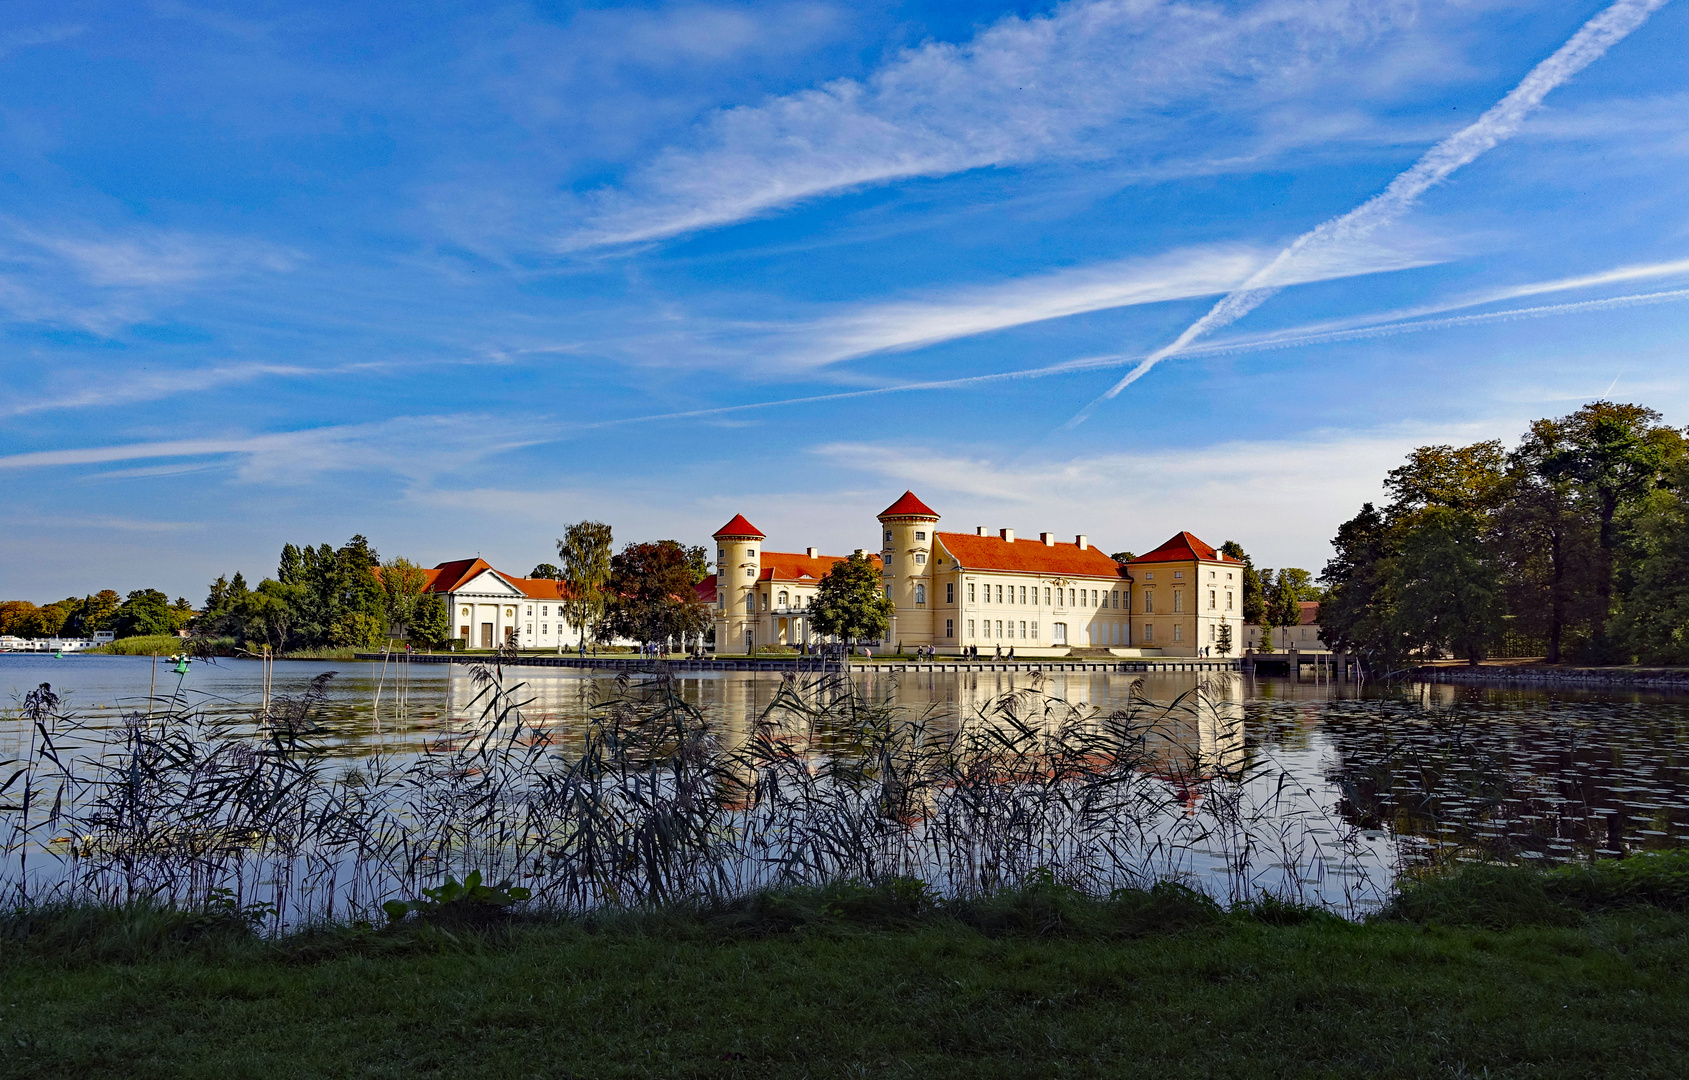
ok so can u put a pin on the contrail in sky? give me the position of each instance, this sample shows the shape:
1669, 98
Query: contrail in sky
270, 443
1499, 123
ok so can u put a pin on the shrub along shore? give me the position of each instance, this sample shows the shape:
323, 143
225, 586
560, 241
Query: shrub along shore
1487, 970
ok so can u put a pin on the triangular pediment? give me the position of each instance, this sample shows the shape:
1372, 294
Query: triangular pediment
489, 583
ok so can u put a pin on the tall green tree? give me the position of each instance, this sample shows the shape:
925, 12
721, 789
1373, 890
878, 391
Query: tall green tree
1655, 610
402, 585
651, 598
1615, 455
546, 571
584, 551
1284, 600
850, 602
1254, 599
1448, 590
1357, 614
1547, 544
144, 612
1458, 477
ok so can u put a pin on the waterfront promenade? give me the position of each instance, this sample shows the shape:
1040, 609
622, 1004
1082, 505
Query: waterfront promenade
799, 665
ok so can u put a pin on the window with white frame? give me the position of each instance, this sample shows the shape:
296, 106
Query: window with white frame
1046, 596
1228, 600
1034, 631
920, 594
1178, 631
999, 627
920, 536
971, 596
1149, 633
1178, 600
970, 628
1149, 603
1211, 600
785, 599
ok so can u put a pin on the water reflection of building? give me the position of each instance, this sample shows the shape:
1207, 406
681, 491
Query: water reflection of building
1182, 732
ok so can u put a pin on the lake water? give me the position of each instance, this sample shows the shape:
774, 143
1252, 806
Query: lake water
1409, 774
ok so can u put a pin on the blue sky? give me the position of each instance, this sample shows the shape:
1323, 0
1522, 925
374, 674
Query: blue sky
453, 276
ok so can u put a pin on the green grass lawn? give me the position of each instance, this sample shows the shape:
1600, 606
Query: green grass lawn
1215, 996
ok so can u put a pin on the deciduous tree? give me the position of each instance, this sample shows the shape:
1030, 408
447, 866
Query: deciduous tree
850, 602
651, 598
584, 552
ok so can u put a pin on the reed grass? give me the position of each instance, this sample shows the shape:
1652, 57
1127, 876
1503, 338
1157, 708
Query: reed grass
649, 804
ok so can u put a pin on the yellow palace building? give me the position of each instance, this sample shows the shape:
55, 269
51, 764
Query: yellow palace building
955, 590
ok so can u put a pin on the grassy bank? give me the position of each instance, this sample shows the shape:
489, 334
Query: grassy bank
1493, 972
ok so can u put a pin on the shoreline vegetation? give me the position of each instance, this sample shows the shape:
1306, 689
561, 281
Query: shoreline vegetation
1497, 970
853, 892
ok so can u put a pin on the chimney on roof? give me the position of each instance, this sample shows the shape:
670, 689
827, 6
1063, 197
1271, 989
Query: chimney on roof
812, 553
979, 530
1081, 540
1008, 535
1048, 539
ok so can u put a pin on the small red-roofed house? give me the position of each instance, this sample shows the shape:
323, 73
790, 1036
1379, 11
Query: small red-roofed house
1185, 596
487, 607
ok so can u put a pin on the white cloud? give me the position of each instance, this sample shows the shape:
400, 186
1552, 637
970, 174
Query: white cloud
1176, 275
414, 448
1021, 90
100, 280
1282, 499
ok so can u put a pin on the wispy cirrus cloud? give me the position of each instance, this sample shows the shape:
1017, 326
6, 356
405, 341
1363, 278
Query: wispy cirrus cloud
27, 38
101, 279
415, 448
1177, 275
1151, 72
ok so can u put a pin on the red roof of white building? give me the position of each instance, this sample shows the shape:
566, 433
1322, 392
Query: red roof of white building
909, 506
785, 566
739, 527
1183, 547
449, 577
973, 552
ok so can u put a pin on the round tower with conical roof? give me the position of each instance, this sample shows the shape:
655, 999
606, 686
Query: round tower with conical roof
906, 532
738, 561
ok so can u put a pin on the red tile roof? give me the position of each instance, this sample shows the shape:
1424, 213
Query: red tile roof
739, 527
448, 577
1182, 547
784, 566
909, 506
706, 590
1027, 556
1310, 611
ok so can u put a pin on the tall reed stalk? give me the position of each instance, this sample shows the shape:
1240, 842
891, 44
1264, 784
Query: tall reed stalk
646, 803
